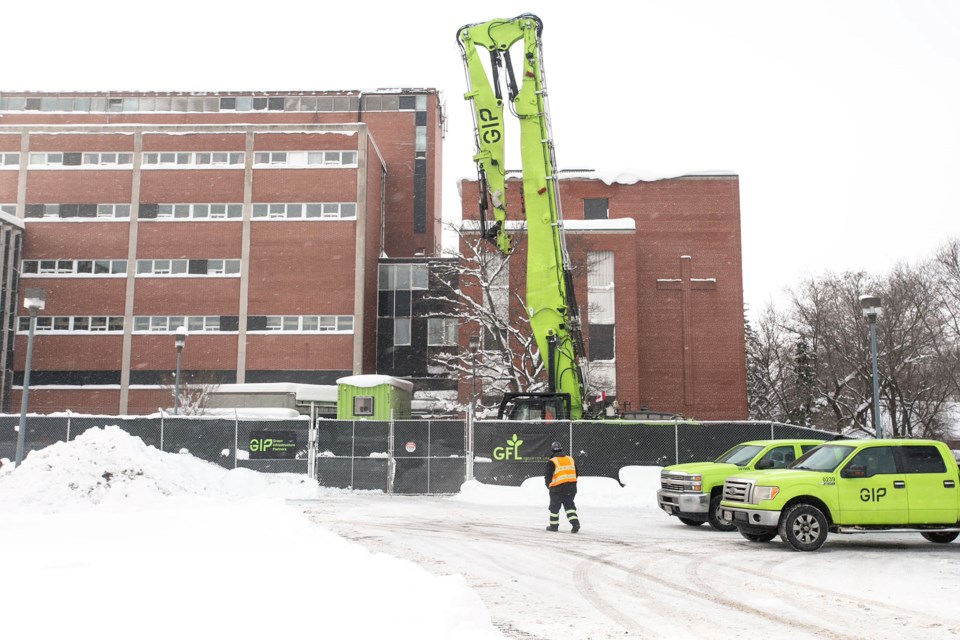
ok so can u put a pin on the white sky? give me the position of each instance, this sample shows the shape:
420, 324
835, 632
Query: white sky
842, 118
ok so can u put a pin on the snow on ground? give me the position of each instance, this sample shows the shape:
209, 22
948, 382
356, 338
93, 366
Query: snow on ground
105, 537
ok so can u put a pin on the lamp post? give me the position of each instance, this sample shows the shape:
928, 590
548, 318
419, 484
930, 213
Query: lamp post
871, 309
179, 340
474, 347
34, 300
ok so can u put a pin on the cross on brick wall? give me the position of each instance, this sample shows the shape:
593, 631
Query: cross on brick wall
687, 285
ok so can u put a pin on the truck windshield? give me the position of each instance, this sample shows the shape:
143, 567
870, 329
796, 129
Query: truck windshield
823, 458
740, 454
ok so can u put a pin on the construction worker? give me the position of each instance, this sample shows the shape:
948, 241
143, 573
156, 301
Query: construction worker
560, 477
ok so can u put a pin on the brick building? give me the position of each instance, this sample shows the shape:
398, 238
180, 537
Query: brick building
255, 219
658, 279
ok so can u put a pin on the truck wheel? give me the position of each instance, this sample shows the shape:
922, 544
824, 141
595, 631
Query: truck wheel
803, 527
689, 522
942, 538
759, 537
713, 516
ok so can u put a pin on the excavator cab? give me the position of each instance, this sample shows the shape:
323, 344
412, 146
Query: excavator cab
534, 407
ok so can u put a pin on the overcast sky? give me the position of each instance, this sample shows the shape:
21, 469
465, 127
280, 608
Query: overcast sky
842, 118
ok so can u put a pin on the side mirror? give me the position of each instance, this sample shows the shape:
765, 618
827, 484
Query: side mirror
764, 464
854, 471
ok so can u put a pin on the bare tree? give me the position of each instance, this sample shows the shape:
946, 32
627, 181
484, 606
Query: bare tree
486, 289
812, 363
195, 389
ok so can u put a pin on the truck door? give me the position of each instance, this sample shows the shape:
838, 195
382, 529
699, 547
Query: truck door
872, 490
931, 487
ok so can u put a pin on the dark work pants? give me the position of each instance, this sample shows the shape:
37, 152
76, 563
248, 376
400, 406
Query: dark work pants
563, 495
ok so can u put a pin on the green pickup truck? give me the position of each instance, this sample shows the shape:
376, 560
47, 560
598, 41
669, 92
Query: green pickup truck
692, 491
850, 486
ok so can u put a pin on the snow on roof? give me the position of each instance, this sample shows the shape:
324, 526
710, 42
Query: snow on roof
624, 176
304, 392
9, 219
375, 381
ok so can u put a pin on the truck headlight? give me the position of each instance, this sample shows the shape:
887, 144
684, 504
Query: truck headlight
697, 483
764, 493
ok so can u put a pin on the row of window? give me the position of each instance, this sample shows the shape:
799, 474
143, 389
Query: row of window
214, 267
305, 158
223, 211
73, 267
403, 277
214, 104
441, 332
169, 324
185, 159
295, 210
78, 159
102, 211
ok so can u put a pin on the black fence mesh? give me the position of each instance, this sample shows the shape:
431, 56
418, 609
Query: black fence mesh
222, 441
430, 456
415, 456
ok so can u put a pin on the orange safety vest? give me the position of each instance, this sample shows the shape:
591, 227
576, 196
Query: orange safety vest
564, 470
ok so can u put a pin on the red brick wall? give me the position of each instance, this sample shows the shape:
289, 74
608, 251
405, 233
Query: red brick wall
695, 216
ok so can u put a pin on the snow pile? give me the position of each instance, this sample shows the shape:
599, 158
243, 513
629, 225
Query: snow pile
165, 542
107, 465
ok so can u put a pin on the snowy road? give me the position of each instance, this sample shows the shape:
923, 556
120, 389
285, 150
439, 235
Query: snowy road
633, 572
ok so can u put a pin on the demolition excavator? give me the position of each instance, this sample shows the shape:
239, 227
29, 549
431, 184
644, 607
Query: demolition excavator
550, 301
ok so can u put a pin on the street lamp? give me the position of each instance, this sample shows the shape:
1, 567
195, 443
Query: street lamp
871, 309
179, 340
34, 300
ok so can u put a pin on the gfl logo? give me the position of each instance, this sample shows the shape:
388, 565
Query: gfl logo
509, 452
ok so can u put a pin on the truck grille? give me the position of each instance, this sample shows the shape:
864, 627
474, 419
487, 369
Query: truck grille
736, 490
679, 482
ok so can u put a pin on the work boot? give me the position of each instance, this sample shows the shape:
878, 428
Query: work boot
553, 527
576, 527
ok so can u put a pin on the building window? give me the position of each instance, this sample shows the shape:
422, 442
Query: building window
442, 332
90, 159
82, 268
401, 332
312, 159
150, 211
301, 324
404, 277
77, 212
9, 209
193, 159
600, 305
9, 160
181, 268
363, 405
169, 324
305, 210
596, 208
73, 324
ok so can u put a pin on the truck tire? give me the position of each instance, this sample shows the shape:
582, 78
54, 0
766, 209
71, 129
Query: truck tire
766, 536
941, 537
689, 522
803, 527
713, 516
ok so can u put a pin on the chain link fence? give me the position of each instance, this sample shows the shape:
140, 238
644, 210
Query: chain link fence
269, 445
